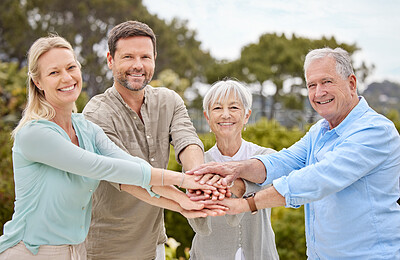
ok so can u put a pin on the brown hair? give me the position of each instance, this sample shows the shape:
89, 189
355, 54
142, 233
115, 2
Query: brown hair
129, 29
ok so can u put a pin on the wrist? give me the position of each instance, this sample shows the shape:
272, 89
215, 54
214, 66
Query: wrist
172, 178
251, 203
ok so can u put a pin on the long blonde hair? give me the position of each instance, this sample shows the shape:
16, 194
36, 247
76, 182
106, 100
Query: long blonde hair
37, 106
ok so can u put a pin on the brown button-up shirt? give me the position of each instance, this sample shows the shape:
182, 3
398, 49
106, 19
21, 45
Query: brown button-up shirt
124, 227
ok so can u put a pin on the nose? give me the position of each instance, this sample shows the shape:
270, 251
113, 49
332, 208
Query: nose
226, 113
137, 64
320, 91
66, 76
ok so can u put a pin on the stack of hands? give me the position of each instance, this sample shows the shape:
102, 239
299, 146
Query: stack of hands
206, 201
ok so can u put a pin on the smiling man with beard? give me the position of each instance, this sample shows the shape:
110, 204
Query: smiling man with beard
143, 121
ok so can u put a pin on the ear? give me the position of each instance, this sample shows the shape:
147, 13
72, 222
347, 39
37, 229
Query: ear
205, 115
109, 60
353, 82
246, 117
37, 84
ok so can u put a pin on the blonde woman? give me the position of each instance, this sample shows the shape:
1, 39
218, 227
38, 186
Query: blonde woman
59, 158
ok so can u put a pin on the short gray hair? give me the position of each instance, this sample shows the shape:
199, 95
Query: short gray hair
221, 90
342, 58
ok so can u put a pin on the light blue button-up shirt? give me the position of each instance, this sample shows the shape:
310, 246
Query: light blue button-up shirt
348, 180
55, 180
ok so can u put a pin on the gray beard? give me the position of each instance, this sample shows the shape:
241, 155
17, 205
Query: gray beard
126, 84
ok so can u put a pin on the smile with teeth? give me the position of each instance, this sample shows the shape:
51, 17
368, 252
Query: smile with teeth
325, 102
225, 124
136, 75
67, 88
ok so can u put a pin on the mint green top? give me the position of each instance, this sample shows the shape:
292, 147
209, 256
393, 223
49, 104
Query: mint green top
55, 180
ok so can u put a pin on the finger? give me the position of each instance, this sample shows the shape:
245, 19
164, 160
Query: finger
214, 197
215, 193
200, 198
198, 168
194, 213
206, 178
207, 191
222, 190
215, 178
215, 206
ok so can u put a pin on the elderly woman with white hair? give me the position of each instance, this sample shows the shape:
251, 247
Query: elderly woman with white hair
227, 108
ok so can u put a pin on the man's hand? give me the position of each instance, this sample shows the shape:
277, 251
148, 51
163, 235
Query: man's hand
234, 206
252, 170
229, 170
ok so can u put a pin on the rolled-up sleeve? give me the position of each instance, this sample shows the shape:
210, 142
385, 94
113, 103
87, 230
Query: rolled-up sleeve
182, 131
334, 163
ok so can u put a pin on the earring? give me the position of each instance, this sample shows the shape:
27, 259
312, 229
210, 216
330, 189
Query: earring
244, 128
210, 130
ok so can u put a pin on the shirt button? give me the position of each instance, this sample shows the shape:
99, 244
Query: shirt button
152, 159
240, 245
83, 208
81, 227
90, 190
148, 136
135, 117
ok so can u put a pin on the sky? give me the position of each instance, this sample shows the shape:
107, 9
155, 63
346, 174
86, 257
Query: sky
225, 26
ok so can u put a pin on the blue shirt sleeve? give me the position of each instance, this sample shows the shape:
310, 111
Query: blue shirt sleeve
338, 166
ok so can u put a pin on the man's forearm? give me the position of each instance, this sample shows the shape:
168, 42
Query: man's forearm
252, 170
192, 156
269, 198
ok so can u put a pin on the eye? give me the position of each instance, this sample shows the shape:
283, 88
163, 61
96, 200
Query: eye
327, 81
53, 73
127, 57
216, 108
311, 85
72, 67
234, 107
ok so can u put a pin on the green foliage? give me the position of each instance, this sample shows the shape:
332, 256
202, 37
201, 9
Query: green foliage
86, 24
12, 92
275, 58
288, 225
394, 116
170, 79
6, 177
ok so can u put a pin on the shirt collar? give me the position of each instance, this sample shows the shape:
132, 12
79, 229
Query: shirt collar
354, 114
115, 92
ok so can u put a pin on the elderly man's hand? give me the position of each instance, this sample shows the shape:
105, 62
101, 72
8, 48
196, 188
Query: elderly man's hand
229, 170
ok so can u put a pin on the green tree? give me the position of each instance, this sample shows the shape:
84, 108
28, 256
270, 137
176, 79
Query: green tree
170, 79
275, 58
12, 102
12, 92
86, 24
